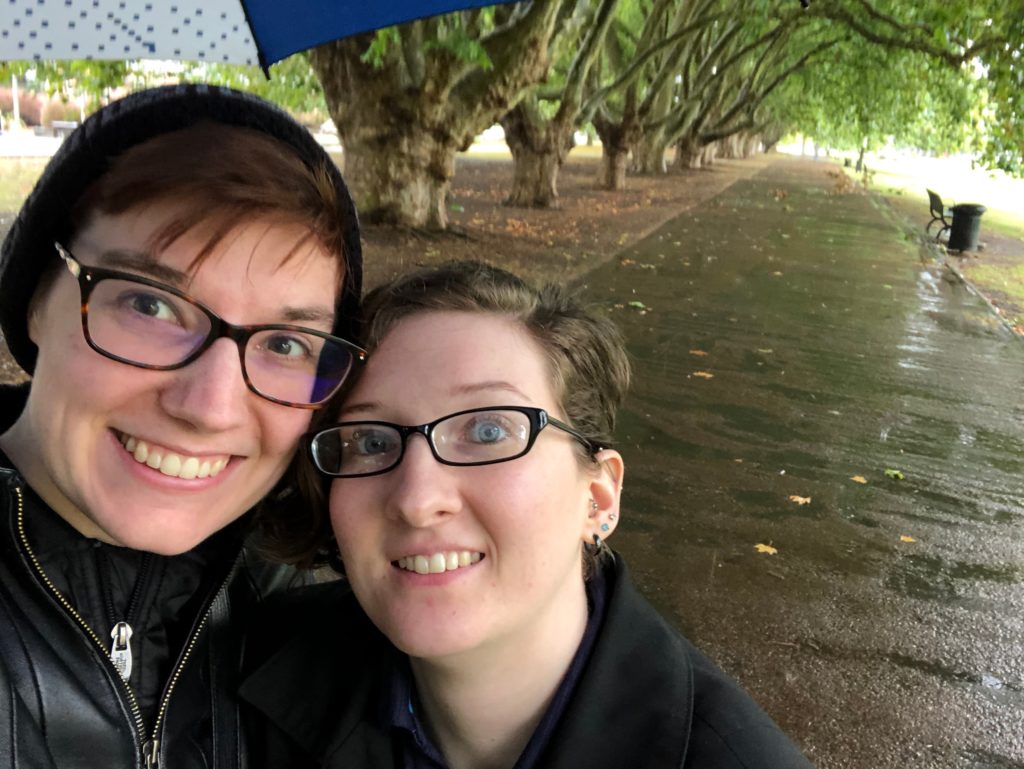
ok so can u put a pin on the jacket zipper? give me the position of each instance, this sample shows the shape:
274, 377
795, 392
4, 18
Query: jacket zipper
121, 631
150, 746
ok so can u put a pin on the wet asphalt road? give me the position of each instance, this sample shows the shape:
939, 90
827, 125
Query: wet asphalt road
793, 339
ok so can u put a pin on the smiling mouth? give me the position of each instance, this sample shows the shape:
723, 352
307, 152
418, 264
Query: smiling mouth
171, 463
438, 563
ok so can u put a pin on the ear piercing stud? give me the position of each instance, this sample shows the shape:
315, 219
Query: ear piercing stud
593, 505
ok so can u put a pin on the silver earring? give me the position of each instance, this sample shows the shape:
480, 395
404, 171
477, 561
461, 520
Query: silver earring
612, 516
593, 505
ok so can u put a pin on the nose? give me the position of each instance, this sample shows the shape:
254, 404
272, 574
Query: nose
425, 492
210, 393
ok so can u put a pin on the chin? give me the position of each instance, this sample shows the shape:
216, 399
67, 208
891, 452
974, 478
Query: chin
421, 645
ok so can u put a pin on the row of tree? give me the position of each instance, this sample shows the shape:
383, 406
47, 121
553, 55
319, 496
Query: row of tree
700, 76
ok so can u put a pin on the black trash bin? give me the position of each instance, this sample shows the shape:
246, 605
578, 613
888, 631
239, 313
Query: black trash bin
963, 235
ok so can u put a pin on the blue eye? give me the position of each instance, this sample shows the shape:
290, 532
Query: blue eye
487, 431
372, 442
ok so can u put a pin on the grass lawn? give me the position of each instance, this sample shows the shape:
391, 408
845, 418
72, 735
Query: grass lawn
17, 175
955, 182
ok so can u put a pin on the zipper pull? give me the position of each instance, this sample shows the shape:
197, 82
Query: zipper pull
120, 650
151, 753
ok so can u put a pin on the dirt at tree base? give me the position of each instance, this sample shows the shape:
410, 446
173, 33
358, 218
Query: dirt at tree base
560, 245
589, 227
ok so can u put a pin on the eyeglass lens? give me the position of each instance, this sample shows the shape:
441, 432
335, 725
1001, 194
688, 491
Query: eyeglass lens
477, 437
150, 327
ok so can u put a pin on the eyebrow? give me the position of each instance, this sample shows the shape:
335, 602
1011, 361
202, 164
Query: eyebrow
498, 385
149, 266
145, 263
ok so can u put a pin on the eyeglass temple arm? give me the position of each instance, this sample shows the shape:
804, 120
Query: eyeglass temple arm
69, 261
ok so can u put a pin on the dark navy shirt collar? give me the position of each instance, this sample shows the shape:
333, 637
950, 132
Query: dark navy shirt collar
418, 751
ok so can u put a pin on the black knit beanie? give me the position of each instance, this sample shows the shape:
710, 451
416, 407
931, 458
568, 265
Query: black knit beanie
87, 154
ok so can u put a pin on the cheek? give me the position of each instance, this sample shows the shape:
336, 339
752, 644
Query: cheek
281, 428
342, 502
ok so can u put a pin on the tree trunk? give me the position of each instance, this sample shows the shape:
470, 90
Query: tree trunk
729, 147
860, 160
613, 169
616, 139
404, 112
535, 179
707, 155
688, 155
537, 155
649, 157
408, 188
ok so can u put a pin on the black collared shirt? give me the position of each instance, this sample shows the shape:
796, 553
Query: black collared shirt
417, 749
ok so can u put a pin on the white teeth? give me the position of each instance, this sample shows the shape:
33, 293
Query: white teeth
170, 463
438, 563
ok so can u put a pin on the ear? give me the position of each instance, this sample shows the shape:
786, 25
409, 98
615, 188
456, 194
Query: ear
605, 489
37, 305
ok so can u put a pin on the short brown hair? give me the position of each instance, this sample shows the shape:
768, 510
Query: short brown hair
587, 361
220, 176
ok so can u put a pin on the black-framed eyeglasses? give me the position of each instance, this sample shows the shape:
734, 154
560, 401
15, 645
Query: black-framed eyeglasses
482, 436
144, 323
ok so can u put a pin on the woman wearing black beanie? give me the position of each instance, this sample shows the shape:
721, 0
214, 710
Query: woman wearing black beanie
179, 285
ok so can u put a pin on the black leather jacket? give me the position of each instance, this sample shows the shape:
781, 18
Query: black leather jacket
63, 705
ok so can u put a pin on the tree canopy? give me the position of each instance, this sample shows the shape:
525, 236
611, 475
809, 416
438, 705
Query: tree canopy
941, 75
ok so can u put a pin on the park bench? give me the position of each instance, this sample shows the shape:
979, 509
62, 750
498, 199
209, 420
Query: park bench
64, 128
939, 213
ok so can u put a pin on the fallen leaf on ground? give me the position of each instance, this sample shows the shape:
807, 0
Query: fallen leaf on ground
765, 549
765, 351
777, 274
698, 353
704, 374
638, 305
800, 500
858, 479
905, 538
896, 475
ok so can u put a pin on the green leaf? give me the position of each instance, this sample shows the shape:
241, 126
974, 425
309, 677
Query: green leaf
896, 475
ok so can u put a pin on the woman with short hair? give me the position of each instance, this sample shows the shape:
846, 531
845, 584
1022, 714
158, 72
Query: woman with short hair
474, 486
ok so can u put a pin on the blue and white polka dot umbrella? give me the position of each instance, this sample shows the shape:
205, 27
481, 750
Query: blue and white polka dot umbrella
224, 31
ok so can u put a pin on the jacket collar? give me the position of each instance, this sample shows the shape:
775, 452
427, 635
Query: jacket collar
636, 692
321, 689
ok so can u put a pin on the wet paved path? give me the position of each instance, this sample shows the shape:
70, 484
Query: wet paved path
834, 349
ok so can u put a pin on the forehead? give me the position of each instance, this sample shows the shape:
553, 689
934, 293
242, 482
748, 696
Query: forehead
249, 268
445, 356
